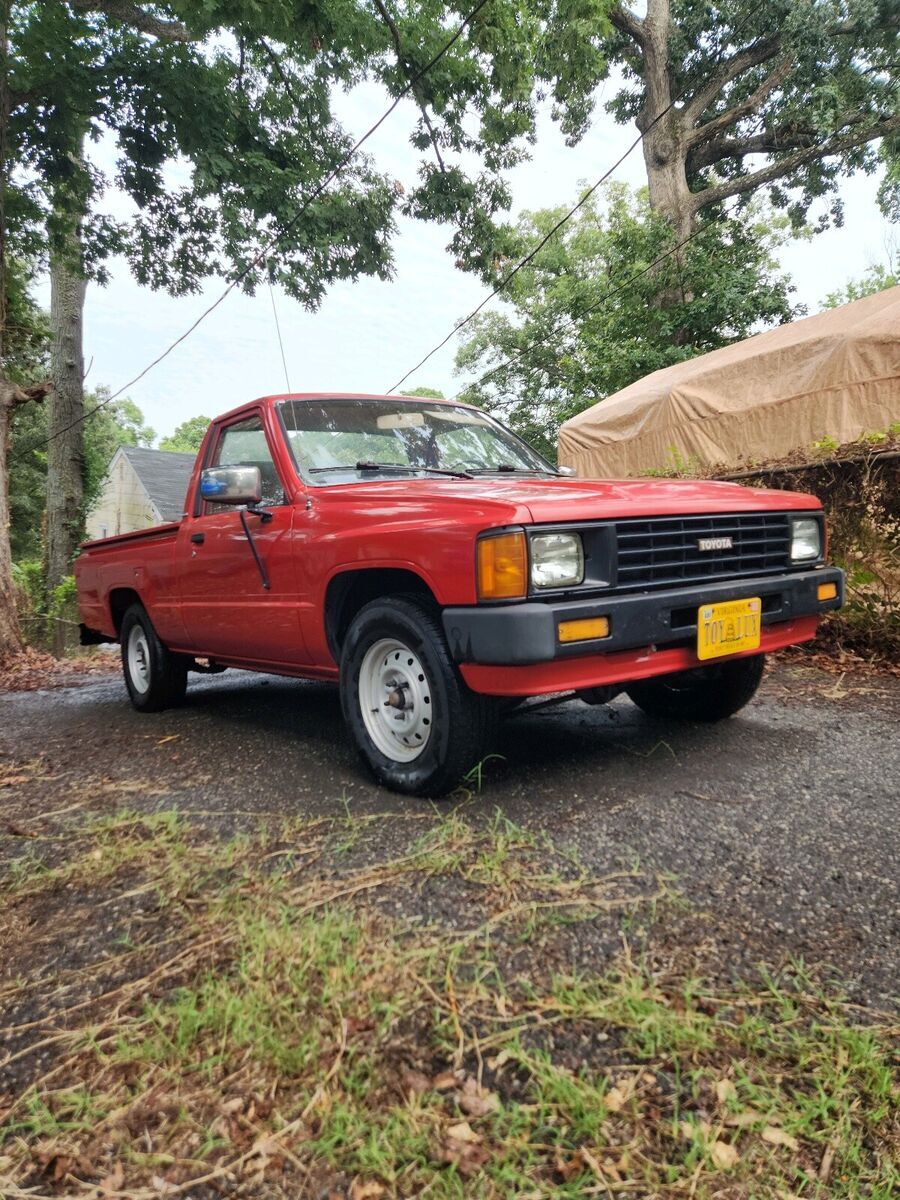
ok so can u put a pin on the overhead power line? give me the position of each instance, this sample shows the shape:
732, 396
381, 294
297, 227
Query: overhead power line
272, 241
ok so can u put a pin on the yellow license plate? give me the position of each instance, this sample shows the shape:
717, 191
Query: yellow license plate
728, 628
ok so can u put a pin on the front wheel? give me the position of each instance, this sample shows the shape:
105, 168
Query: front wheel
415, 723
703, 694
155, 677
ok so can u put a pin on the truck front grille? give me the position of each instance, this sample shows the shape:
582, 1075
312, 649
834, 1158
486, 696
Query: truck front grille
665, 551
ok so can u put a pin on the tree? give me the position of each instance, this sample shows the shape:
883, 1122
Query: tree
24, 339
878, 277
583, 320
187, 437
786, 96
117, 424
426, 392
242, 93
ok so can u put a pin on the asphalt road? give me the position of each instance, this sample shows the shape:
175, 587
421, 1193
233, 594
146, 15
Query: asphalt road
780, 827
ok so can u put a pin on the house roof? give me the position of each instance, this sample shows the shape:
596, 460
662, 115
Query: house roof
165, 475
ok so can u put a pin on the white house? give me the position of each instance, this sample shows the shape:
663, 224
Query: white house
142, 488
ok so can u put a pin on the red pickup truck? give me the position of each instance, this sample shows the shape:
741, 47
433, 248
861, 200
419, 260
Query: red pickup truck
426, 558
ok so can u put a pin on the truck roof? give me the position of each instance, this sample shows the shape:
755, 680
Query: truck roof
279, 396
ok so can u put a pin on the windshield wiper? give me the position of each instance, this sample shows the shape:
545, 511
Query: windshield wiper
367, 465
508, 469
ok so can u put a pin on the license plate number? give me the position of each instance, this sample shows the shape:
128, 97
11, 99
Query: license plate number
728, 628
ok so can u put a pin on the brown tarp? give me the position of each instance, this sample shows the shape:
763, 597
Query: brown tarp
836, 374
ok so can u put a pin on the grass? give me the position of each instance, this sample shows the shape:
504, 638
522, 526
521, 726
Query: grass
297, 1038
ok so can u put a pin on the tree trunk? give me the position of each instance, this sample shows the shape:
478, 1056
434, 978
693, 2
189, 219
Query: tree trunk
65, 453
10, 634
661, 127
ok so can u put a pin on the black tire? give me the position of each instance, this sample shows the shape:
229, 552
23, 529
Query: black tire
163, 682
454, 725
704, 694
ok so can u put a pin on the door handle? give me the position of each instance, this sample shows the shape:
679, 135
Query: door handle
198, 538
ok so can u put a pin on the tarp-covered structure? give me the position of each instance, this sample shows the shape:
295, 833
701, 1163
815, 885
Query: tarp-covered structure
836, 374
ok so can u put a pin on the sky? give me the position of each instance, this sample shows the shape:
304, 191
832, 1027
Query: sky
366, 335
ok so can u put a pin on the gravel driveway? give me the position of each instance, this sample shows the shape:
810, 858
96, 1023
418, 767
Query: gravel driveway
779, 828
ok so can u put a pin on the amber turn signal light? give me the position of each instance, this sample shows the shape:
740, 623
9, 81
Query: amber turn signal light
502, 567
583, 630
827, 591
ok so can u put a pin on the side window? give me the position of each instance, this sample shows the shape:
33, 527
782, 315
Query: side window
244, 445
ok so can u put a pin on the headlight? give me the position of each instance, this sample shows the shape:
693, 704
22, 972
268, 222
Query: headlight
557, 560
806, 539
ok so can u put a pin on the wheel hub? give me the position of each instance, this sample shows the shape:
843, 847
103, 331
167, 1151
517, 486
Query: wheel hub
139, 659
395, 700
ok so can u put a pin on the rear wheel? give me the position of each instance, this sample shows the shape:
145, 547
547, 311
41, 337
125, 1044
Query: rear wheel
704, 694
155, 677
415, 723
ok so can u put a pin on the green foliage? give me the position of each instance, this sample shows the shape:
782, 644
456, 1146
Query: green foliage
876, 279
572, 332
826, 445
117, 424
223, 119
426, 392
187, 437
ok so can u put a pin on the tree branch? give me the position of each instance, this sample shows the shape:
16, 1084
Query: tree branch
770, 141
126, 13
12, 395
627, 22
407, 66
784, 166
703, 133
753, 56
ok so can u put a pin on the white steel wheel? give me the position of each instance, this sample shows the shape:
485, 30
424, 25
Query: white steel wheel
138, 659
395, 700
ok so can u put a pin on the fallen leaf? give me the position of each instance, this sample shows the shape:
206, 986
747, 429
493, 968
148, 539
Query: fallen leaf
463, 1132
366, 1191
777, 1137
614, 1099
414, 1082
114, 1180
724, 1155
725, 1091
467, 1159
569, 1168
477, 1101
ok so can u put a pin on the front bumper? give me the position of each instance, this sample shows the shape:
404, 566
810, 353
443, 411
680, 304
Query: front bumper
526, 633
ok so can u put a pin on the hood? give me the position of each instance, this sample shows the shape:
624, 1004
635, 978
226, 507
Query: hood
557, 499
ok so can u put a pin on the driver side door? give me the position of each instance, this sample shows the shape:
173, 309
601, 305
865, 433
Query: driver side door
228, 611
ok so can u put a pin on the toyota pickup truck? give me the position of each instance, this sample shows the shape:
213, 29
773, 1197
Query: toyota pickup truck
427, 560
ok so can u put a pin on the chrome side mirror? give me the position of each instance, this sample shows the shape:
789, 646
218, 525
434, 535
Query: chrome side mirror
231, 485
567, 471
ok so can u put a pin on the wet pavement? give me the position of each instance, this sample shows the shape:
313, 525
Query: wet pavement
779, 828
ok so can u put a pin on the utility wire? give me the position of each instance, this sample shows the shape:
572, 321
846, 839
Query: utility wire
272, 241
523, 262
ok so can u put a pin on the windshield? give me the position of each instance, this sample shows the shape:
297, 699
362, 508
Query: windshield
334, 439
